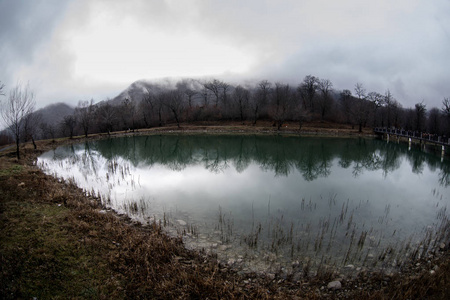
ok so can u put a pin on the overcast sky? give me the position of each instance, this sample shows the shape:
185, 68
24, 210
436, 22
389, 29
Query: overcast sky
71, 50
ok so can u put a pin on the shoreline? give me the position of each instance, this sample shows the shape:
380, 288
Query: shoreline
196, 273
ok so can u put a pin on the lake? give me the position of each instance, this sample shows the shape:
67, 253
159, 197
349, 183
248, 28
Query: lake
272, 203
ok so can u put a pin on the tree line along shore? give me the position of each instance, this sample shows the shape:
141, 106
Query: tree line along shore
147, 105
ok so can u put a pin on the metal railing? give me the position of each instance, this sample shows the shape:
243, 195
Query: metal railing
422, 136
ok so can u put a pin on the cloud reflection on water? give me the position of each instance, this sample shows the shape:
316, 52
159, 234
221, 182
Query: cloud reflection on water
386, 188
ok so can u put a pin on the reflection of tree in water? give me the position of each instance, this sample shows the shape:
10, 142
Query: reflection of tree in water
444, 175
314, 163
362, 154
242, 161
360, 158
81, 156
215, 158
215, 164
89, 162
175, 158
417, 160
345, 160
279, 160
312, 157
325, 160
390, 158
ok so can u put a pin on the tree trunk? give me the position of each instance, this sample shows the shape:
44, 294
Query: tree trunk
255, 115
176, 118
280, 123
34, 142
17, 149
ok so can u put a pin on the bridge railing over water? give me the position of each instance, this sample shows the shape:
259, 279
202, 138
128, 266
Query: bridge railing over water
421, 136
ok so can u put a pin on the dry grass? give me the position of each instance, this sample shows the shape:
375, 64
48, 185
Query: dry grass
56, 242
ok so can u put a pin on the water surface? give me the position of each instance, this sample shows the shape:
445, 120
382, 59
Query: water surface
266, 203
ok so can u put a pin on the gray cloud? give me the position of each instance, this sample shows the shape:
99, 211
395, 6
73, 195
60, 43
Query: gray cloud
24, 25
402, 46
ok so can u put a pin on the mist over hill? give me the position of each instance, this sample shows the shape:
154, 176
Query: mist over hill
46, 123
54, 114
155, 103
141, 88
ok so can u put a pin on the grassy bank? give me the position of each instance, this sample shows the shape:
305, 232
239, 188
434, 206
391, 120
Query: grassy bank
58, 243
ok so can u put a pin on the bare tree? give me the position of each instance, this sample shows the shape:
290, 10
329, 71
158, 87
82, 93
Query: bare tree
388, 104
300, 113
129, 114
107, 117
188, 88
409, 119
282, 103
446, 113
446, 107
397, 113
205, 95
147, 106
346, 99
68, 125
241, 98
48, 130
216, 86
19, 105
434, 120
308, 89
213, 86
376, 101
360, 90
259, 99
420, 115
160, 99
225, 86
189, 94
30, 127
325, 87
85, 112
361, 108
174, 101
264, 90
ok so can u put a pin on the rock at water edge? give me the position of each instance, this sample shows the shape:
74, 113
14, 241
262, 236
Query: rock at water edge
334, 285
181, 222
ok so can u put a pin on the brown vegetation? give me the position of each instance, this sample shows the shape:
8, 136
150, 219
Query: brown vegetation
56, 242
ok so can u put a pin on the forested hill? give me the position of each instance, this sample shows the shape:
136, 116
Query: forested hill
54, 114
146, 104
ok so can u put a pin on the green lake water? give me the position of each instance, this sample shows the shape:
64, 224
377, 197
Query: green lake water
270, 203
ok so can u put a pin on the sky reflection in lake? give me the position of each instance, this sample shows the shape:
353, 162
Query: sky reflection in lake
283, 192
